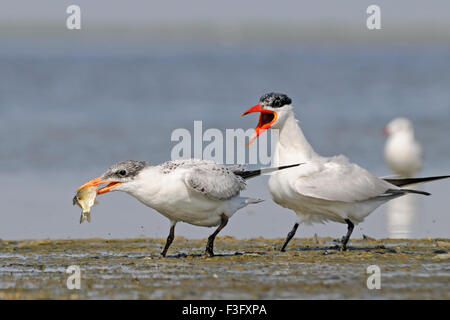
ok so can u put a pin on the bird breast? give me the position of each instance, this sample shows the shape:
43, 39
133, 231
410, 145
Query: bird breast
403, 155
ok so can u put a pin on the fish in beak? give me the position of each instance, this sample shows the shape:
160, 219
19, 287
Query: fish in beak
266, 120
98, 181
85, 199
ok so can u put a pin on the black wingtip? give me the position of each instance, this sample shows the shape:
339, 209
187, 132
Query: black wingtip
400, 182
254, 173
289, 166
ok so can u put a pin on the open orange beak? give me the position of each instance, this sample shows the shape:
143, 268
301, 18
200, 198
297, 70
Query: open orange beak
97, 181
266, 119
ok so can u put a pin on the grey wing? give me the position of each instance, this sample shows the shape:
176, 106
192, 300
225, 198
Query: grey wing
237, 167
170, 166
340, 180
215, 181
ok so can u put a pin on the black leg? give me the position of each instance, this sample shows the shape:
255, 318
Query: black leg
169, 240
347, 236
210, 245
289, 237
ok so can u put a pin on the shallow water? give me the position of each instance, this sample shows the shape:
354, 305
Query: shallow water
250, 269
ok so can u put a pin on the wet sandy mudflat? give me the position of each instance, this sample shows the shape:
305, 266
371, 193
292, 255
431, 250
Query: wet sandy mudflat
243, 269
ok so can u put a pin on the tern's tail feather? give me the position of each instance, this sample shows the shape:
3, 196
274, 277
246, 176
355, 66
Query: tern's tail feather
253, 200
404, 191
254, 173
408, 181
243, 202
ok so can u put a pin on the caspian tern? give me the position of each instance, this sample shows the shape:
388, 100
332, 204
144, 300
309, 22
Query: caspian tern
402, 152
323, 188
197, 192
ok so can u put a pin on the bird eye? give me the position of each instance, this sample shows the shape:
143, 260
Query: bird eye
122, 173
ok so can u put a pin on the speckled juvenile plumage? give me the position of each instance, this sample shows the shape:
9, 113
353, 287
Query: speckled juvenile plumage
213, 180
125, 169
198, 192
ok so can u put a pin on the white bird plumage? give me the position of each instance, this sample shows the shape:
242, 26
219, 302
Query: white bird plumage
402, 152
324, 188
193, 191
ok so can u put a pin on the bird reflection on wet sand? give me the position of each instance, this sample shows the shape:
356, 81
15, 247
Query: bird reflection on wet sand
403, 217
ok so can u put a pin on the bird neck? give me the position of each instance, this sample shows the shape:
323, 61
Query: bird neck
292, 144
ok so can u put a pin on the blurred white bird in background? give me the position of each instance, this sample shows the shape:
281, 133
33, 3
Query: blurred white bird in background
402, 152
403, 155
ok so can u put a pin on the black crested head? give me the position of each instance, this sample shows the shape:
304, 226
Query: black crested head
125, 170
274, 100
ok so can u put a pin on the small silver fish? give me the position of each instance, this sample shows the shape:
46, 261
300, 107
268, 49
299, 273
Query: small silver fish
85, 199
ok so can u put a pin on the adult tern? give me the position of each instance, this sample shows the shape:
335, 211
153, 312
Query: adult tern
323, 188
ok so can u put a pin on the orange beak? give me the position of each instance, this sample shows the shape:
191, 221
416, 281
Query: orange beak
266, 119
386, 131
96, 182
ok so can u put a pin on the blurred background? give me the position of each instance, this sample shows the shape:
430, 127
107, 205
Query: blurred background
73, 102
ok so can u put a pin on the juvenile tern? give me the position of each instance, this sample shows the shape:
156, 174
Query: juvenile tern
198, 192
323, 188
402, 152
